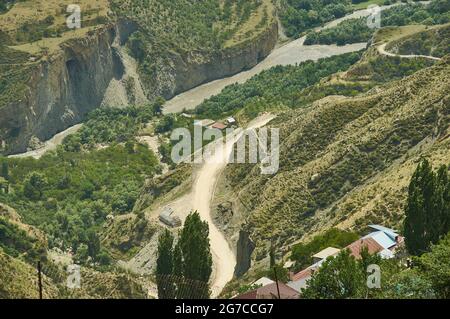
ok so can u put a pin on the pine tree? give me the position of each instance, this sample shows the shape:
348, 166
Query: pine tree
197, 259
164, 266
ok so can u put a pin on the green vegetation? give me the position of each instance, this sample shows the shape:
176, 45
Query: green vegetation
434, 42
298, 16
356, 30
349, 31
5, 5
69, 194
183, 271
428, 208
382, 69
164, 266
345, 277
340, 277
17, 243
110, 125
302, 253
15, 71
276, 87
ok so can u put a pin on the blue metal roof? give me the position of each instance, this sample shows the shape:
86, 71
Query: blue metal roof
382, 239
390, 232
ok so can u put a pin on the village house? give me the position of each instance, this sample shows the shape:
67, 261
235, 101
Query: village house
219, 126
381, 240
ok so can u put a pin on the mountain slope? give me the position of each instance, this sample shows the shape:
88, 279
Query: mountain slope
346, 161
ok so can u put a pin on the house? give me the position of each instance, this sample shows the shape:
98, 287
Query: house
230, 121
324, 254
270, 291
382, 241
185, 115
167, 217
289, 264
264, 281
204, 123
219, 126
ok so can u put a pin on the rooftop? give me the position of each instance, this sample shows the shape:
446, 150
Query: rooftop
372, 245
271, 292
219, 126
327, 252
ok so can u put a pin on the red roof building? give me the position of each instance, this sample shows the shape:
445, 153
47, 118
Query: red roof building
219, 126
270, 291
372, 245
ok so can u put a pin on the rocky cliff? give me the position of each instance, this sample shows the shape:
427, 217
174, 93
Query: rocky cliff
67, 85
62, 89
188, 73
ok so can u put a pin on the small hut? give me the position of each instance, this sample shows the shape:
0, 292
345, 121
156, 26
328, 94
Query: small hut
168, 217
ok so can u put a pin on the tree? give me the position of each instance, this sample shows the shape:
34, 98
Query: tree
181, 287
339, 277
427, 210
157, 106
435, 266
33, 185
93, 243
5, 170
164, 266
197, 258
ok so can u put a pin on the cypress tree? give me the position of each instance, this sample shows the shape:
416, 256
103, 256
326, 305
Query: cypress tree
442, 204
197, 259
164, 266
178, 272
427, 210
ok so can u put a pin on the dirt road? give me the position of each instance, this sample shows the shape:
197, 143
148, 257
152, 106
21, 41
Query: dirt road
382, 50
224, 258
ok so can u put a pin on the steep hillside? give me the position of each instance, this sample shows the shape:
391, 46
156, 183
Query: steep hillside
182, 44
345, 161
433, 42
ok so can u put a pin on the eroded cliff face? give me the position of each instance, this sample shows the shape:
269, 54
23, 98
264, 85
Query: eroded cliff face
62, 90
72, 82
181, 73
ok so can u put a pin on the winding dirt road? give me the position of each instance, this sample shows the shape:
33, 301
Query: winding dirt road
224, 259
382, 50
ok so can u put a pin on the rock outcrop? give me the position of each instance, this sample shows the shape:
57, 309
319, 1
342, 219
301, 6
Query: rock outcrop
68, 84
62, 89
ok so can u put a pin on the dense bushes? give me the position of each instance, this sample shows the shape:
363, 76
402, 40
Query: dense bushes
302, 253
300, 15
110, 125
69, 194
349, 31
356, 30
16, 242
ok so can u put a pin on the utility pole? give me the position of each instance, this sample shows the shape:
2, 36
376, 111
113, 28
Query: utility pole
276, 280
40, 280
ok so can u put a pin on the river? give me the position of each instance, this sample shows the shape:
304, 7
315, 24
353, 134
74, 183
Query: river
291, 53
